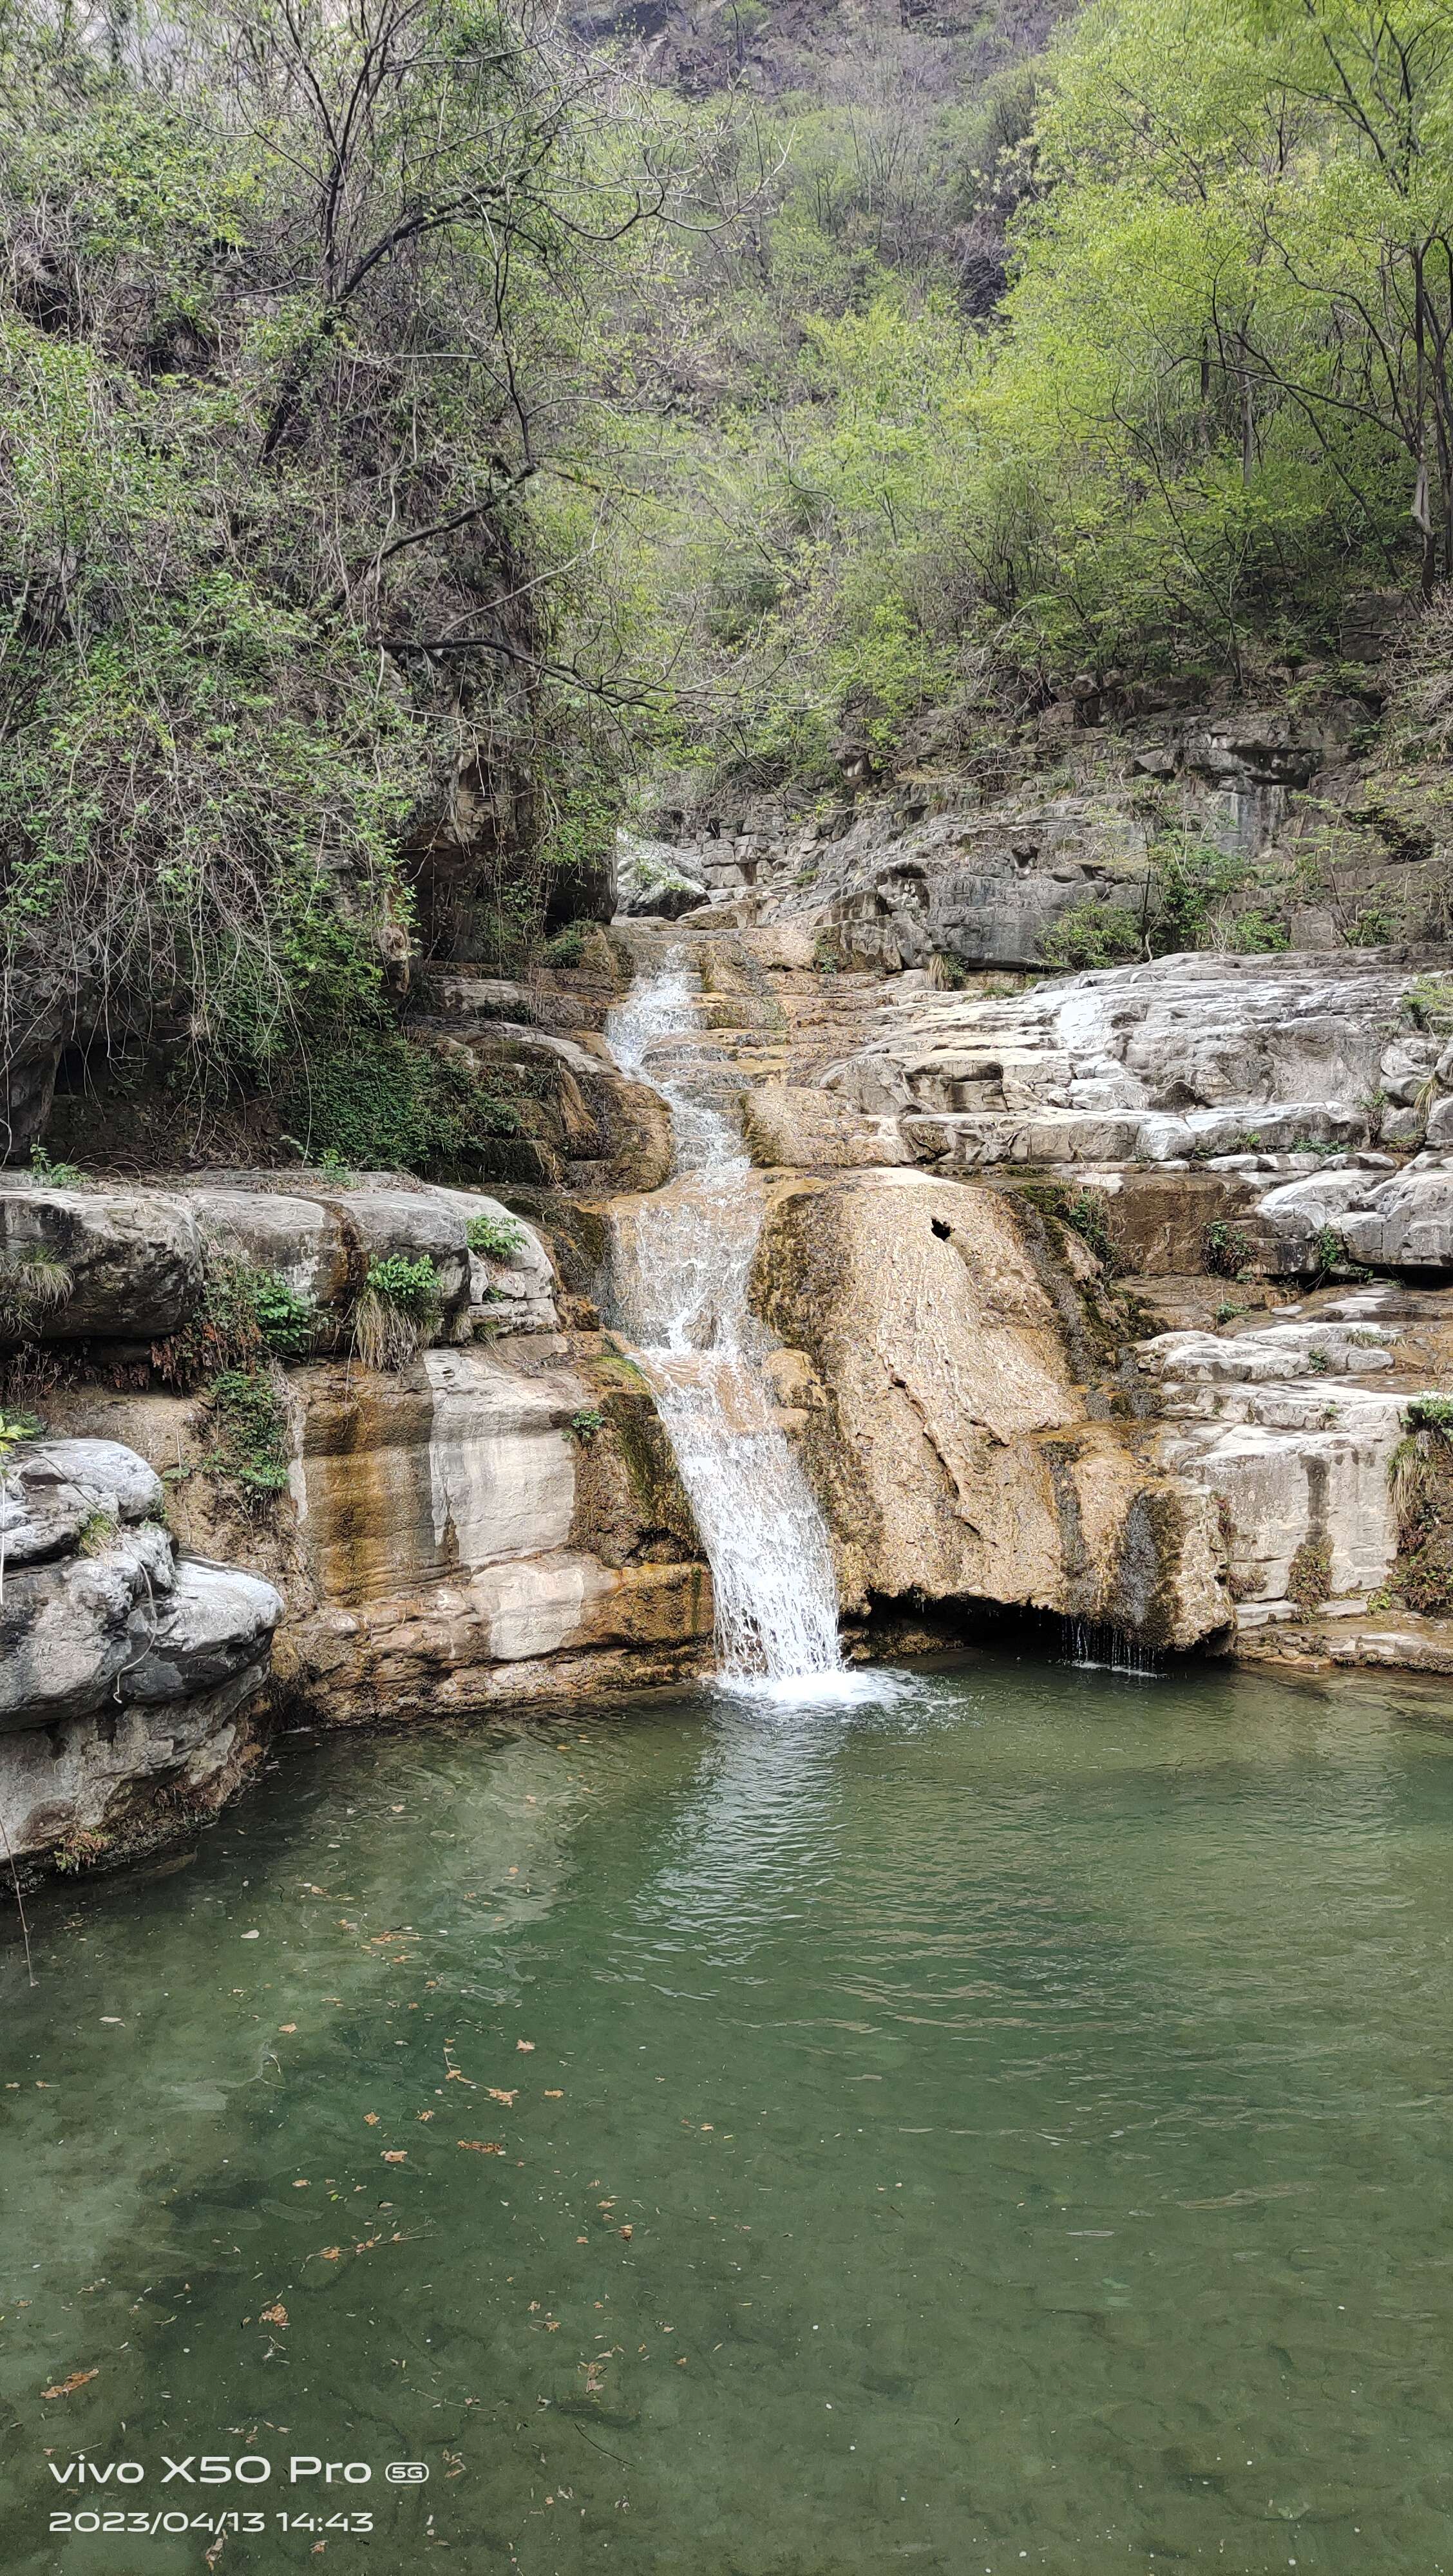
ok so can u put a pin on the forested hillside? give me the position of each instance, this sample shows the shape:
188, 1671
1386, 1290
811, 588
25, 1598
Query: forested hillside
427, 426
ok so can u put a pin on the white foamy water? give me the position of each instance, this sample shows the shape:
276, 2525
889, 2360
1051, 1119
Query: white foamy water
682, 1260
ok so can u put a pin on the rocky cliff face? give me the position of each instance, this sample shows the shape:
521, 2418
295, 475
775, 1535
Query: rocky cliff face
1117, 1297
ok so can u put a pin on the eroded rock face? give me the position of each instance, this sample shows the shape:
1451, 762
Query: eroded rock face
1285, 1426
445, 1518
788, 1126
1185, 1056
118, 1662
948, 1437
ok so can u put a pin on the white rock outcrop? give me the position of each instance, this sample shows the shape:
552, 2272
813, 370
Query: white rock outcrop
104, 1633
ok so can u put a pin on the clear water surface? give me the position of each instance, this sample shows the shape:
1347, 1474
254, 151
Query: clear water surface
1002, 2123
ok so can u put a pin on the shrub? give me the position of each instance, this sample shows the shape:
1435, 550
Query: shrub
1093, 934
380, 1101
287, 1321
244, 1315
1225, 1249
54, 1176
397, 1311
1310, 1579
1256, 934
498, 1238
584, 1425
567, 948
251, 1434
1420, 1478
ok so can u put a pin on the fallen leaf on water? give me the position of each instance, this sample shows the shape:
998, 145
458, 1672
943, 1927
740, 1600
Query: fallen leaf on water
78, 2379
495, 2095
480, 2146
628, 2231
395, 2155
288, 2026
553, 2097
370, 2119
276, 2316
331, 2254
212, 2555
426, 2115
527, 2045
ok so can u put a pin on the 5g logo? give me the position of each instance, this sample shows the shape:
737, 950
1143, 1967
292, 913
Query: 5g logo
406, 2473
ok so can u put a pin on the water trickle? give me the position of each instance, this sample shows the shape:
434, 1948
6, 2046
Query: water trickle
681, 1265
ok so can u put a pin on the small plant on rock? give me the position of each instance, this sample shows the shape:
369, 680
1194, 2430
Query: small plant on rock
1310, 1579
498, 1238
287, 1321
54, 1176
397, 1311
584, 1425
34, 1282
1226, 1250
1420, 1480
567, 948
250, 1429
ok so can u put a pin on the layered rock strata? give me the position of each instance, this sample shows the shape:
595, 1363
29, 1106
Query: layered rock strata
127, 1672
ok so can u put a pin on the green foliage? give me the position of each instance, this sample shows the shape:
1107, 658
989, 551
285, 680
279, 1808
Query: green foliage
398, 1309
250, 1434
412, 1286
1309, 1580
567, 947
583, 1426
1331, 1258
1225, 1249
244, 1315
1085, 1212
379, 1101
54, 1176
498, 1238
1093, 934
301, 306
1428, 1004
15, 1430
1420, 1479
287, 1321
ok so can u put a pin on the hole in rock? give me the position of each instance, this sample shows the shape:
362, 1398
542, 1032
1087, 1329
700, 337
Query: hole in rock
941, 1229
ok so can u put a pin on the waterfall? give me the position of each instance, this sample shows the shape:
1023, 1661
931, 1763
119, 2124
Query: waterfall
682, 1262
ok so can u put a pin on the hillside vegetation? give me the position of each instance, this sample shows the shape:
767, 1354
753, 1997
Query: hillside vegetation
422, 424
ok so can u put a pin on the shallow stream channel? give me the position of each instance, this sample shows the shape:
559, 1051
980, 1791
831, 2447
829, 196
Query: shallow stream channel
996, 2119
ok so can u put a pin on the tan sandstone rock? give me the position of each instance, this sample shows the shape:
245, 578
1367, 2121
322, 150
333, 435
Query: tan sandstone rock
955, 1452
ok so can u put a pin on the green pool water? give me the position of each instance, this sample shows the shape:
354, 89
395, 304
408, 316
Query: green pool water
1002, 2123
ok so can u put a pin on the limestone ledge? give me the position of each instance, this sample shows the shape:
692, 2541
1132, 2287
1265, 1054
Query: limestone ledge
134, 1260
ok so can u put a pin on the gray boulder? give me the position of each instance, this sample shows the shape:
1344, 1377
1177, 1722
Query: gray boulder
651, 882
124, 1264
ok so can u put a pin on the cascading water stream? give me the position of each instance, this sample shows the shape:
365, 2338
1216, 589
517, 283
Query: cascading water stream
682, 1261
